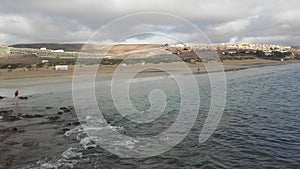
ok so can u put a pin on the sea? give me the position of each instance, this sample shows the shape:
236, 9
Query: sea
259, 128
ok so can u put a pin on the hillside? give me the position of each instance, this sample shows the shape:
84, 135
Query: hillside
296, 47
118, 50
54, 46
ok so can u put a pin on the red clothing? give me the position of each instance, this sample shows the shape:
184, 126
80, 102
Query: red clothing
16, 93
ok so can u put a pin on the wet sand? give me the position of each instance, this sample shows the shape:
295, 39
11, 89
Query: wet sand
31, 134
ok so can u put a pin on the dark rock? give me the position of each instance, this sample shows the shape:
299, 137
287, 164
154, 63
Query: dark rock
11, 118
65, 129
32, 116
23, 97
64, 109
53, 118
5, 112
59, 113
62, 131
7, 115
68, 124
47, 108
76, 123
67, 110
14, 129
1, 97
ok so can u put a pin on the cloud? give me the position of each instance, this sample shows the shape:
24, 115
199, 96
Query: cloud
76, 21
236, 25
233, 40
149, 40
233, 26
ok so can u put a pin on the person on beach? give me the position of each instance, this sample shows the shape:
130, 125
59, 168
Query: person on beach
198, 70
17, 95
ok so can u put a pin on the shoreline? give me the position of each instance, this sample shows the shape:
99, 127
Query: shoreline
19, 78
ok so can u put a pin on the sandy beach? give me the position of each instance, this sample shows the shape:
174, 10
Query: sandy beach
18, 77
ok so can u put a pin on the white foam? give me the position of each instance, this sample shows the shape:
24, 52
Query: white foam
81, 135
128, 143
77, 129
144, 79
88, 117
71, 154
49, 166
87, 143
68, 165
114, 128
61, 163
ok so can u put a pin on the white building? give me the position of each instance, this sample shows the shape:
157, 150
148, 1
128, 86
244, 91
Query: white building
58, 51
61, 67
45, 61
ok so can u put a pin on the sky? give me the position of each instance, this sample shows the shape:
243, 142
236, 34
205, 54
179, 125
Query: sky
145, 21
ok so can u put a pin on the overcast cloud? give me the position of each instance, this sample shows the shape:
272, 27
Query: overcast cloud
222, 21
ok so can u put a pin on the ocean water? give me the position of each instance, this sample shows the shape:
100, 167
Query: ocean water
259, 127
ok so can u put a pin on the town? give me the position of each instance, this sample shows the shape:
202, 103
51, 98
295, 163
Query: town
41, 55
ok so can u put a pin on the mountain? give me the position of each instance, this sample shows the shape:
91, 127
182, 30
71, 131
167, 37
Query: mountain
54, 46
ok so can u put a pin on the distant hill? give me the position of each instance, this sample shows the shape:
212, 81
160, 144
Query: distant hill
296, 47
118, 50
54, 46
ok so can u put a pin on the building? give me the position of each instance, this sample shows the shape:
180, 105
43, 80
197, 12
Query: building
58, 51
61, 67
45, 61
